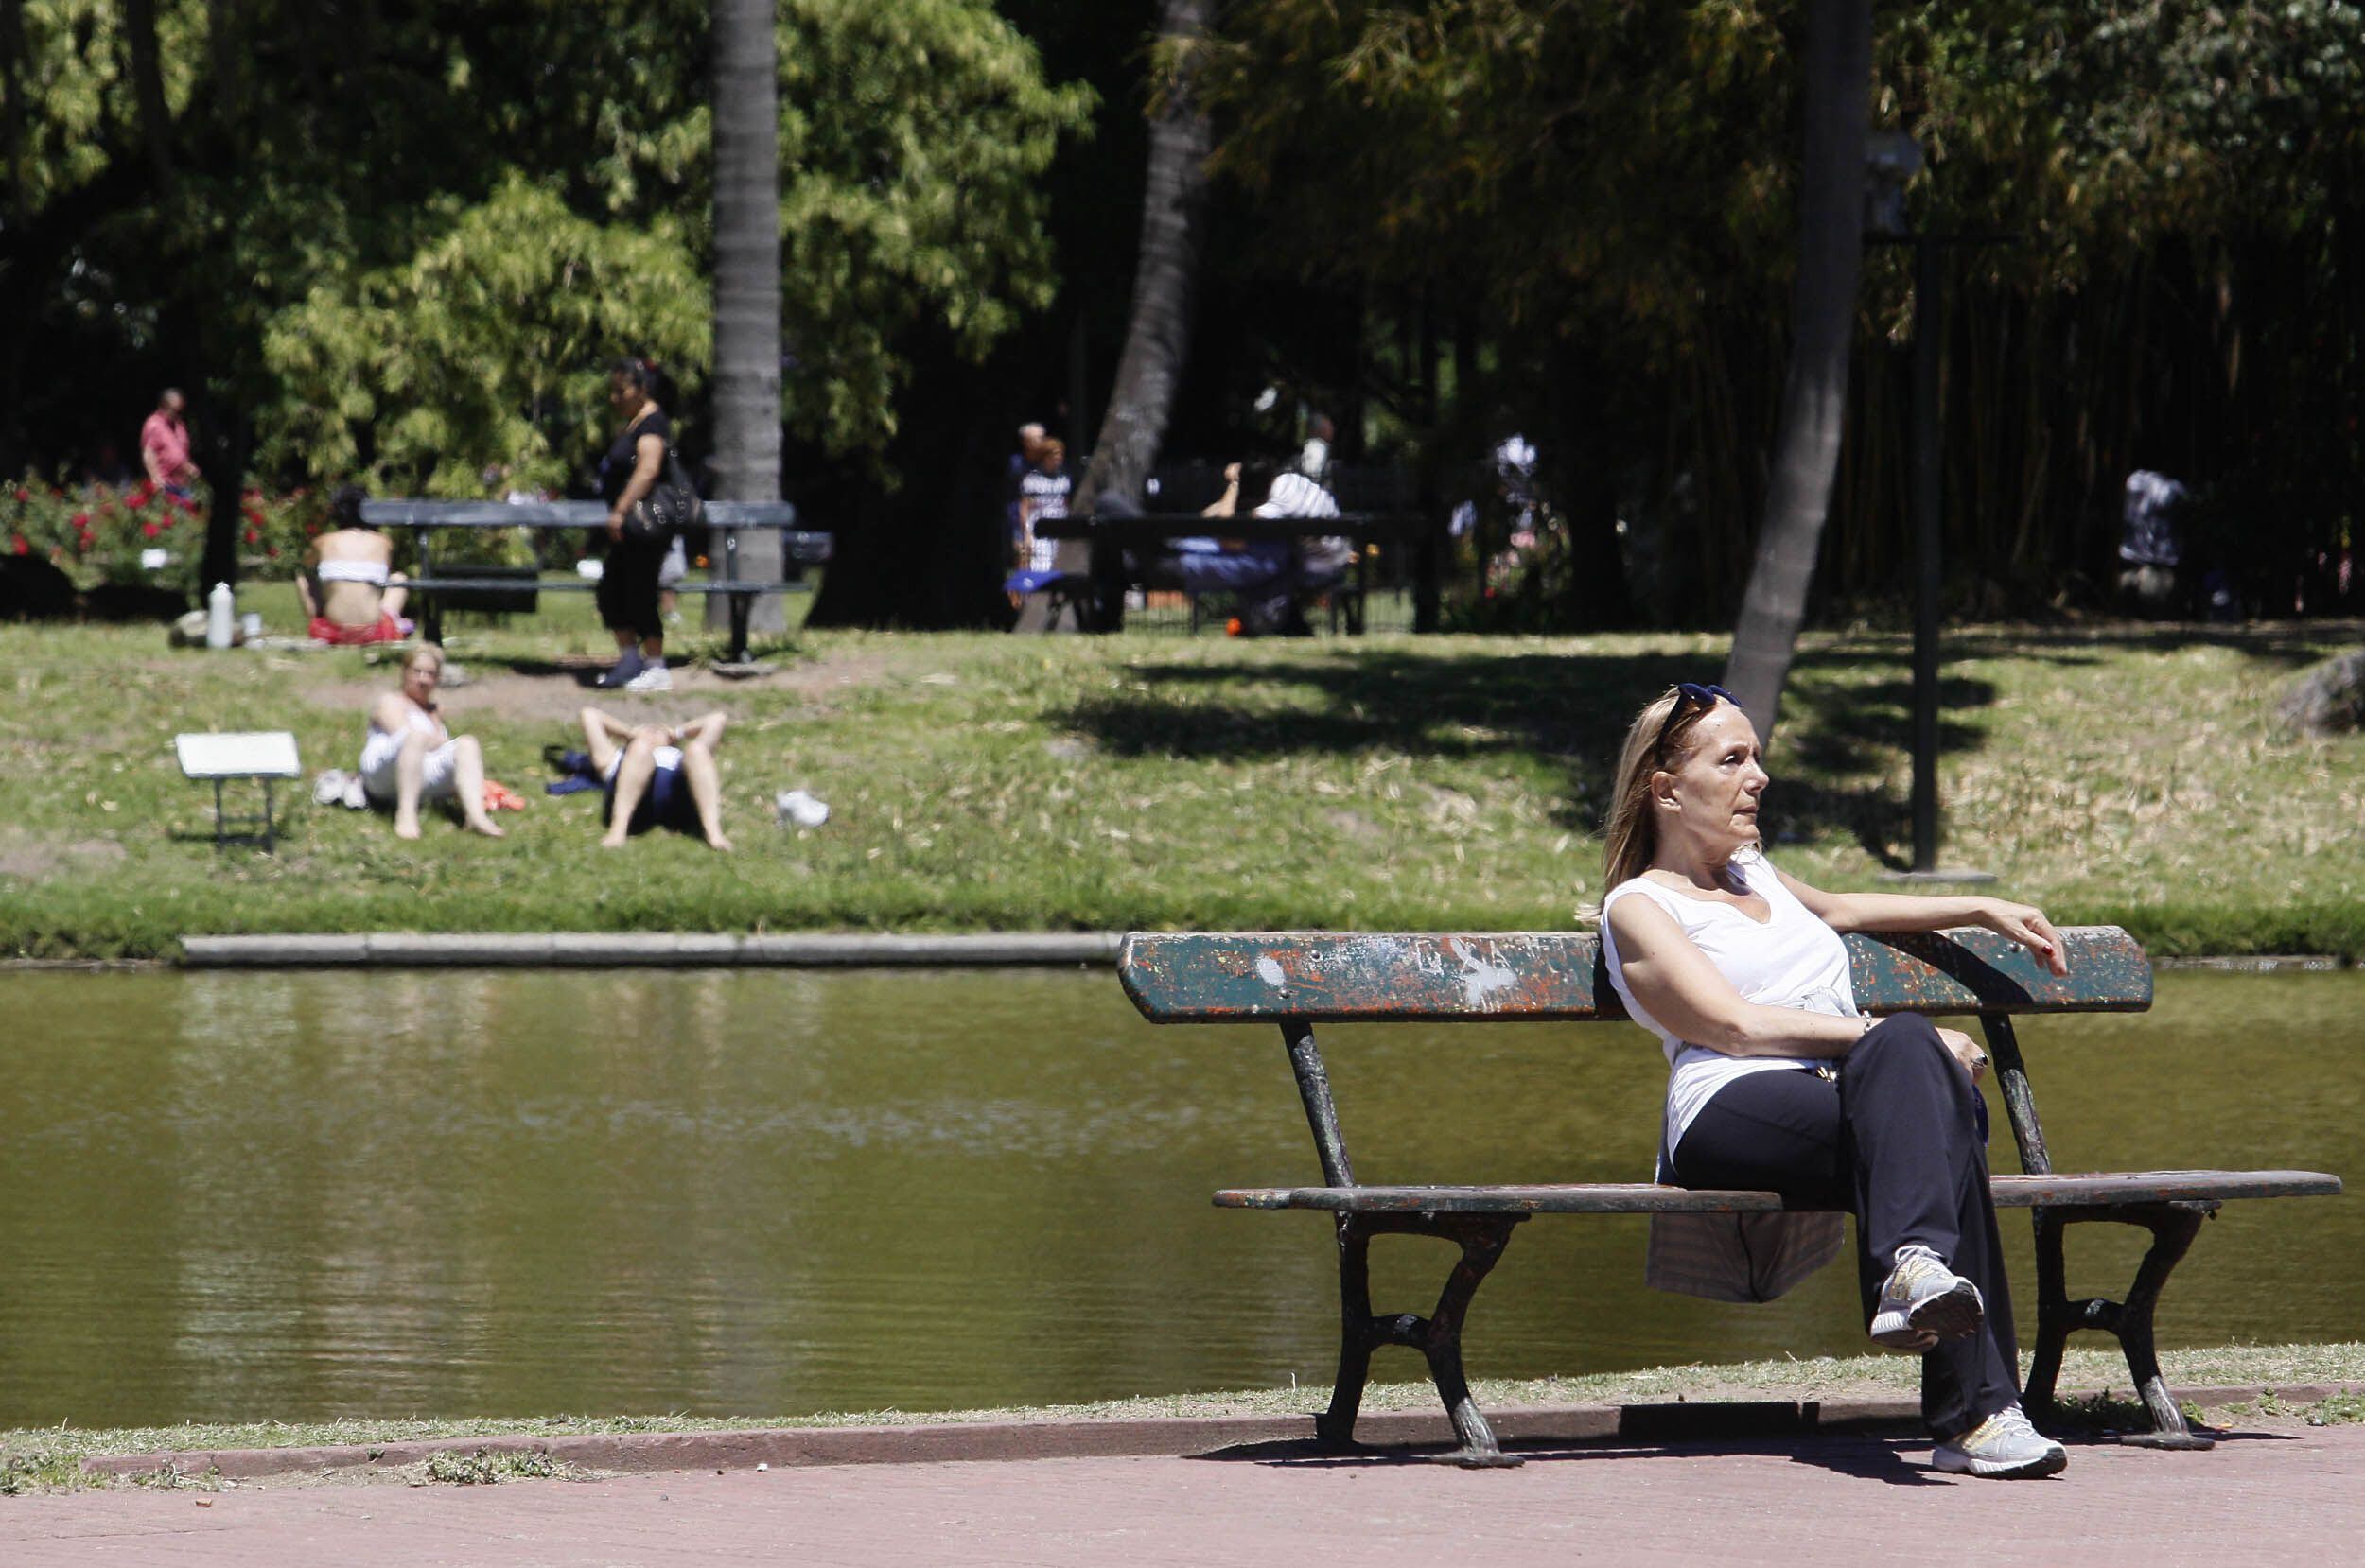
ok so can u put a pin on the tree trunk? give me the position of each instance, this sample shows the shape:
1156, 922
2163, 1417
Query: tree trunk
1157, 336
226, 452
147, 91
1815, 395
747, 289
11, 217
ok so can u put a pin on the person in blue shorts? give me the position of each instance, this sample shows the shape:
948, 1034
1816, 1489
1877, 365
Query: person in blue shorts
657, 776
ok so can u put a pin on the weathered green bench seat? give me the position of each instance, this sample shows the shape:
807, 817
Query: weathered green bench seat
1297, 980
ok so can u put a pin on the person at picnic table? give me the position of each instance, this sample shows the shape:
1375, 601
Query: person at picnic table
408, 756
351, 594
628, 585
1042, 495
164, 447
657, 776
1268, 574
1777, 1082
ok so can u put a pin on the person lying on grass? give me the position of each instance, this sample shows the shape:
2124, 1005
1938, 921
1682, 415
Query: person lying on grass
409, 756
657, 776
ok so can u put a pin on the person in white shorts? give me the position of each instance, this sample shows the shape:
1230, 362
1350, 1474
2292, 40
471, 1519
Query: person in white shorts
409, 756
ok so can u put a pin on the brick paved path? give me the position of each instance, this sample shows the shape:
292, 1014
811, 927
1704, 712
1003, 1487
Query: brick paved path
2268, 1496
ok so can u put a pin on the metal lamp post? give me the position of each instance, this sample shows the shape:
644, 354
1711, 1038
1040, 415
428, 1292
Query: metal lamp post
1891, 159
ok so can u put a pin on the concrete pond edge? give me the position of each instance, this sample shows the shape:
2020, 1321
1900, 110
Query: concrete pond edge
818, 949
654, 949
1242, 1437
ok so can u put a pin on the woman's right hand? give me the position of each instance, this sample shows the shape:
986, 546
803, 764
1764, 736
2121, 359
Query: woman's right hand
1970, 1052
616, 526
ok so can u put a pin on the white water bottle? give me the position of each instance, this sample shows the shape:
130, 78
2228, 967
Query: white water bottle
220, 616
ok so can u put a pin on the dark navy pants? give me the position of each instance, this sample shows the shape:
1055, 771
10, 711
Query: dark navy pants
1897, 1141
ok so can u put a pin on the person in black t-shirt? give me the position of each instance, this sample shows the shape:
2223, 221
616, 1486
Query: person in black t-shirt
629, 586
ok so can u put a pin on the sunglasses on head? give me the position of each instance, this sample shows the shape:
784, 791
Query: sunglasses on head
1690, 699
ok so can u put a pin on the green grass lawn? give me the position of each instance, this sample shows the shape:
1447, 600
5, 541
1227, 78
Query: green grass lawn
982, 782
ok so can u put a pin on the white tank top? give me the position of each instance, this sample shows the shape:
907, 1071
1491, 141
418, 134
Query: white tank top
1791, 960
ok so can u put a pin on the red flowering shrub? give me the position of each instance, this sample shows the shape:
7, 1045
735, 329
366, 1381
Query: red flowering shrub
99, 534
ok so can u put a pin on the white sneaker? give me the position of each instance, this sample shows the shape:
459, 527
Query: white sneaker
652, 677
1923, 1302
2002, 1448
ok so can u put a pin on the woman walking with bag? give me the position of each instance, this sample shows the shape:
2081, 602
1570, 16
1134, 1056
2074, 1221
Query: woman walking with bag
638, 464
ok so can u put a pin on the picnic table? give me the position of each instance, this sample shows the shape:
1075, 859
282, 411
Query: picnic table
217, 757
464, 586
1297, 980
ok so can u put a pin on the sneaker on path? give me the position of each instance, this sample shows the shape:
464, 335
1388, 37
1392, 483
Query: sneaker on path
2002, 1448
653, 677
621, 673
1923, 1302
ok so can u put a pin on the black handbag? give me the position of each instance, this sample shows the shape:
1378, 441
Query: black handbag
671, 506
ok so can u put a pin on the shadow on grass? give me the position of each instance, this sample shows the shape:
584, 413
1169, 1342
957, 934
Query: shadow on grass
1568, 711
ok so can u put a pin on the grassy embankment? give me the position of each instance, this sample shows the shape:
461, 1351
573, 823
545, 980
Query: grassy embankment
985, 782
47, 1458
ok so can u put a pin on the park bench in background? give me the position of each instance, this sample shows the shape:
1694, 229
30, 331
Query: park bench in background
465, 586
1376, 509
219, 757
1297, 980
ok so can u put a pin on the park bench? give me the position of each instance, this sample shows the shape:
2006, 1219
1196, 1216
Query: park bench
459, 585
1376, 509
1297, 980
1111, 536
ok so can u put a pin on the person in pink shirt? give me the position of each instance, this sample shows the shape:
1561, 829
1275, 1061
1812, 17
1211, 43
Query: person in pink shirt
164, 445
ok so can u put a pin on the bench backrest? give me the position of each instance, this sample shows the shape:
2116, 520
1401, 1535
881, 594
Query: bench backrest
397, 512
1299, 979
1334, 977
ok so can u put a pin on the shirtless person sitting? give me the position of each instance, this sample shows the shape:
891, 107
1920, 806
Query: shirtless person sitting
658, 775
351, 595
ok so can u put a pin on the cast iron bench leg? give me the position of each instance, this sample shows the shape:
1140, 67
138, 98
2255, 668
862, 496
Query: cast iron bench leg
1335, 1427
2173, 1226
1438, 1336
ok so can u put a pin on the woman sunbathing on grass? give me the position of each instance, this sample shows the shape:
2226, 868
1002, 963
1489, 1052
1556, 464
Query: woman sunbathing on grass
409, 756
1778, 1083
657, 776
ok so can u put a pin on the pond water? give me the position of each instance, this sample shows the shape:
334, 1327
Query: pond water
482, 1193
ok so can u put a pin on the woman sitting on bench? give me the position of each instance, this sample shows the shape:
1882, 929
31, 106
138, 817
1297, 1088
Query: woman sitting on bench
1778, 1083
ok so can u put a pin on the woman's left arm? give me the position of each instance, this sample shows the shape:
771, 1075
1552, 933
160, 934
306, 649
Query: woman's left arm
1899, 912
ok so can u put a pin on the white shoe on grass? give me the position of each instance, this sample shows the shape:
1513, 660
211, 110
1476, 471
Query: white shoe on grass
2002, 1448
652, 677
1923, 1302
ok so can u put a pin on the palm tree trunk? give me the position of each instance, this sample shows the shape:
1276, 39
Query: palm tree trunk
1815, 395
1157, 336
748, 288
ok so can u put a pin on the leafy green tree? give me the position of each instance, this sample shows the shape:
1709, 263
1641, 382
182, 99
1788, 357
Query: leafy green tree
356, 233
